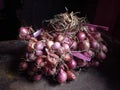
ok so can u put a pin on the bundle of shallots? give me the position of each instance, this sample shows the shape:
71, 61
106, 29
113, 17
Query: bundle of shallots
66, 43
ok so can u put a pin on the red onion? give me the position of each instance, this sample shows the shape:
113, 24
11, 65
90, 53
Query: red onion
85, 45
23, 65
52, 71
56, 45
96, 35
54, 35
66, 46
37, 77
72, 64
39, 60
31, 56
82, 63
51, 60
34, 68
60, 37
70, 75
67, 57
50, 43
62, 66
95, 63
38, 52
101, 55
24, 31
61, 51
81, 36
91, 28
104, 48
62, 76
45, 69
74, 45
94, 44
39, 45
28, 37
89, 53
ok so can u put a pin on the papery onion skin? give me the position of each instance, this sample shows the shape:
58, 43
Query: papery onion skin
60, 38
50, 43
67, 40
37, 33
30, 46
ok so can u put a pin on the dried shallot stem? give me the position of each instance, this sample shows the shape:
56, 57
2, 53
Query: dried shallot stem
65, 22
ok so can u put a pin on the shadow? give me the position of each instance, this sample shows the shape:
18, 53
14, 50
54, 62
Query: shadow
110, 67
10, 23
51, 80
34, 12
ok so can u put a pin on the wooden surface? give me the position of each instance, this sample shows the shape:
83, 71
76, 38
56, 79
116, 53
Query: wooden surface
11, 79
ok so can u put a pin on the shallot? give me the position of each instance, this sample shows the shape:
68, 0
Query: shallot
62, 76
66, 43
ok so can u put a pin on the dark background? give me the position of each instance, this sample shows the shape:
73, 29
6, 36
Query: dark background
14, 13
